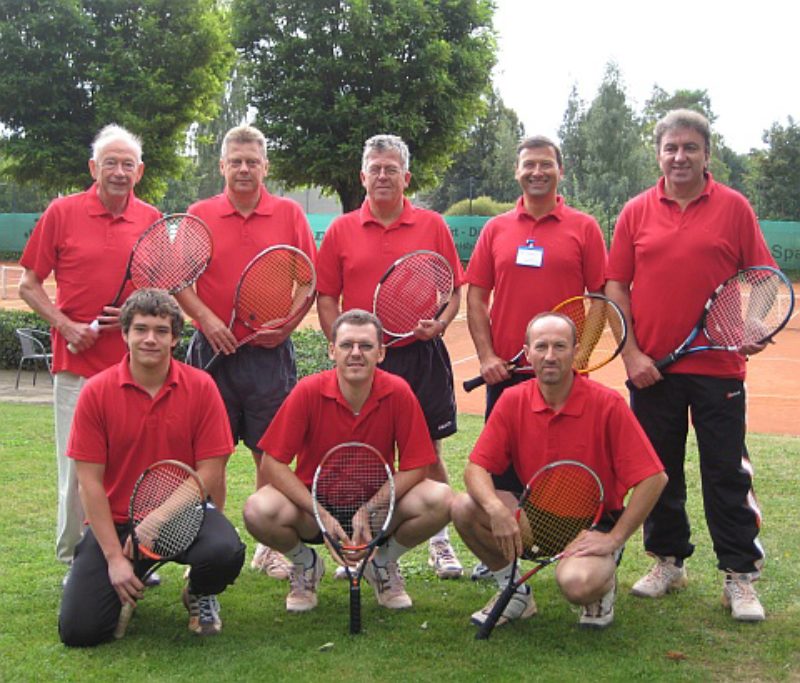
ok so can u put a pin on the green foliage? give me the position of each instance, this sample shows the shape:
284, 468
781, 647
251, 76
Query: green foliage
326, 75
480, 206
687, 636
774, 178
154, 66
486, 166
311, 349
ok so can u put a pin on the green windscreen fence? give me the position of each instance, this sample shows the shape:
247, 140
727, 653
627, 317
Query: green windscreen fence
782, 237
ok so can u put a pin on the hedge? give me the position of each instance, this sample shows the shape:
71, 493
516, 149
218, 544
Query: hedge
311, 347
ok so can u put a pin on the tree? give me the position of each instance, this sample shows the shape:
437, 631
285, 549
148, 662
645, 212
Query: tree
328, 74
606, 161
775, 173
69, 67
485, 167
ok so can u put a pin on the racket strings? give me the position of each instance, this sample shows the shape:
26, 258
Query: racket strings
167, 511
172, 254
600, 330
561, 502
747, 309
353, 485
417, 288
274, 287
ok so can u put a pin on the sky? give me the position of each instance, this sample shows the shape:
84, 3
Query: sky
744, 54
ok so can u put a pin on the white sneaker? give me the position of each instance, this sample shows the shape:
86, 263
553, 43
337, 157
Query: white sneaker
442, 558
388, 585
302, 595
664, 577
521, 606
739, 595
599, 614
340, 574
271, 562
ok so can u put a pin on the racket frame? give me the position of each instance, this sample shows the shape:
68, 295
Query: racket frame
395, 337
685, 347
140, 553
542, 561
273, 325
354, 574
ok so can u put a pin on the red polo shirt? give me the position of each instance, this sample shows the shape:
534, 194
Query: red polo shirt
119, 425
594, 427
573, 262
275, 220
675, 259
88, 249
315, 417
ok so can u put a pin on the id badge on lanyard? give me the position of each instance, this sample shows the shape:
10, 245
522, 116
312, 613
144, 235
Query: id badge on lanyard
529, 255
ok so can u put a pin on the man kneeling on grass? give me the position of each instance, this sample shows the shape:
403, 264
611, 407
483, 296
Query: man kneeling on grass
147, 408
559, 415
355, 401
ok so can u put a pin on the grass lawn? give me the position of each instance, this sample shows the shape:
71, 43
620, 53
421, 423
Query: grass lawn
686, 636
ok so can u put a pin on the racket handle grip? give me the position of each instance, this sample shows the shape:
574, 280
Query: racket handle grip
473, 383
94, 325
486, 628
125, 615
355, 607
665, 361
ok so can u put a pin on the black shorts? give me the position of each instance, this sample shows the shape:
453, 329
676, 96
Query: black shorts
425, 365
253, 383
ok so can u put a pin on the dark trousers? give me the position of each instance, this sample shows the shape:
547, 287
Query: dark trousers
508, 481
90, 606
717, 408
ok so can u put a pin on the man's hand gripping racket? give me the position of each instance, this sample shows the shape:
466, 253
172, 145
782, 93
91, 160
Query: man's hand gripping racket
561, 500
353, 499
167, 509
171, 254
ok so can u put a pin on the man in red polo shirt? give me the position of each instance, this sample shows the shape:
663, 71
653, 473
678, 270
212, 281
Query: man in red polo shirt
86, 240
355, 401
244, 220
148, 407
527, 261
559, 415
673, 245
357, 250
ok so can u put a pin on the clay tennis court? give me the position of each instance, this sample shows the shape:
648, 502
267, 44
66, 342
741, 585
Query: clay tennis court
773, 377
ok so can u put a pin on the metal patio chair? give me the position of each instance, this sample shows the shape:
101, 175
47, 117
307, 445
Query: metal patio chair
34, 345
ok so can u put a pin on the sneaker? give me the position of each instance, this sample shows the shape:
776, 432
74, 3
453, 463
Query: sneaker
442, 558
388, 584
304, 581
481, 572
341, 573
664, 577
153, 580
271, 562
203, 613
599, 614
739, 595
521, 606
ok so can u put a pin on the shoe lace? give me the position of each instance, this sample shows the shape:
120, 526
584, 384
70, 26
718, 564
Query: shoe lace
742, 591
273, 559
207, 607
300, 578
444, 552
390, 579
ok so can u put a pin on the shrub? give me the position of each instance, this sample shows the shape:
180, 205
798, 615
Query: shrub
481, 206
310, 345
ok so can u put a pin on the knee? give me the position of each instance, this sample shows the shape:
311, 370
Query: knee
259, 512
79, 628
462, 510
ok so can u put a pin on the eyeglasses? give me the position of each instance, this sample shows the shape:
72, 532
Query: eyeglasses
389, 171
111, 164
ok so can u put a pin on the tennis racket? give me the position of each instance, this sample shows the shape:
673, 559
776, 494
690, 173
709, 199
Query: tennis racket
749, 308
353, 500
171, 254
417, 286
167, 509
274, 289
561, 500
602, 333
